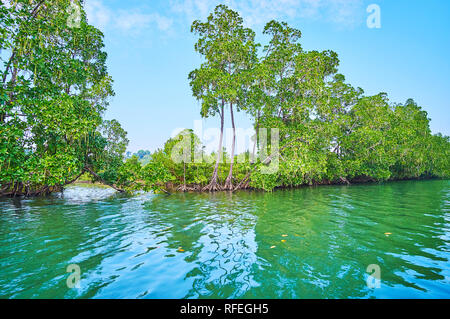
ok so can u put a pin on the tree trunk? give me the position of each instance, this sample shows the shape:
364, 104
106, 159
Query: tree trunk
213, 185
229, 180
103, 181
253, 159
12, 84
184, 188
75, 178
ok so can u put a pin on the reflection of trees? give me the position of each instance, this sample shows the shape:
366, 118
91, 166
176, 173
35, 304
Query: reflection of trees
412, 212
417, 251
336, 232
300, 266
216, 232
44, 235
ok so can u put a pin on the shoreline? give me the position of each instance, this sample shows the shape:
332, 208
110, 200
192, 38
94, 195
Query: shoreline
175, 189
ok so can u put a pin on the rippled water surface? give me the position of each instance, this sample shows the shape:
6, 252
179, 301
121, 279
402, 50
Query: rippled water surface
304, 243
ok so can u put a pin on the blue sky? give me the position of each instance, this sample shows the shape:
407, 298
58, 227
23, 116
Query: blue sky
151, 52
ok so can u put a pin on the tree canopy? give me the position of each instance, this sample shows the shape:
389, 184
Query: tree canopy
55, 88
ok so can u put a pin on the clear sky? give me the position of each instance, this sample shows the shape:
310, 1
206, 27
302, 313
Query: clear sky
151, 52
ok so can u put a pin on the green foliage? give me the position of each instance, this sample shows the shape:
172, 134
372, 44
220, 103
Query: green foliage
230, 54
155, 176
54, 89
330, 132
229, 51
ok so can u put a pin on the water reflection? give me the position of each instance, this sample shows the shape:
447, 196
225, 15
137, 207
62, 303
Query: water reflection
305, 243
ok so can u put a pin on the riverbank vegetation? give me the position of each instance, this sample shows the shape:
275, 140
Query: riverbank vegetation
56, 87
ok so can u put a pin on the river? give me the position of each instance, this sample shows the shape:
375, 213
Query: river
312, 242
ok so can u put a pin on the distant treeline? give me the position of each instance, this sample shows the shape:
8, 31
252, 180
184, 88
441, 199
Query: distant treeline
143, 156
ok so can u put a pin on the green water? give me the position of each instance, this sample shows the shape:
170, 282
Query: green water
129, 247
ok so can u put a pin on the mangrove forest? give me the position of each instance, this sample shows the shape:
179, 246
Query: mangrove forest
56, 86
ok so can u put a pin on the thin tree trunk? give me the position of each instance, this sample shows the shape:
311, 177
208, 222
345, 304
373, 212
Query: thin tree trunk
213, 185
12, 84
256, 139
75, 178
229, 181
183, 188
345, 180
103, 181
